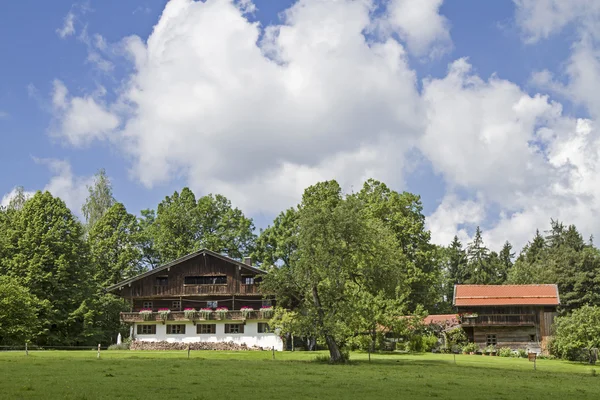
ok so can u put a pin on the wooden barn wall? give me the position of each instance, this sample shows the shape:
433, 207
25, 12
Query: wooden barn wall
514, 337
202, 265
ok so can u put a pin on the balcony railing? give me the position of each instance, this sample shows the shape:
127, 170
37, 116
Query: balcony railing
500, 319
181, 316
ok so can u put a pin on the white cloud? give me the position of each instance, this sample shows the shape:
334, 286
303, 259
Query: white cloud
224, 115
80, 119
10, 195
72, 189
539, 19
68, 27
453, 216
420, 24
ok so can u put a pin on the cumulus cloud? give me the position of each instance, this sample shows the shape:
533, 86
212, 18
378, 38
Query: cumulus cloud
80, 119
6, 199
259, 113
420, 25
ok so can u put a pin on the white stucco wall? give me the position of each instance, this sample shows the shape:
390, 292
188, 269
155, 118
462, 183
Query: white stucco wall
250, 337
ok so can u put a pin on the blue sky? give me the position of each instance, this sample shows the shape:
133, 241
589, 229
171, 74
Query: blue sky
530, 160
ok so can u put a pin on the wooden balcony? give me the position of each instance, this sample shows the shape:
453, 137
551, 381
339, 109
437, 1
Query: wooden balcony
180, 316
500, 320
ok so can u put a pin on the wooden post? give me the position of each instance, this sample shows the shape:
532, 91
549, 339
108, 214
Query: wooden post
454, 358
292, 343
534, 362
26, 351
273, 352
98, 356
188, 351
369, 352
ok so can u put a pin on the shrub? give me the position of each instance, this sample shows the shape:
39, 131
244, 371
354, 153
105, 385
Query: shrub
505, 352
521, 353
576, 331
471, 347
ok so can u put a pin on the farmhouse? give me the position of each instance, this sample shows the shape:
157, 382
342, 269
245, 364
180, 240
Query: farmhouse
516, 316
201, 297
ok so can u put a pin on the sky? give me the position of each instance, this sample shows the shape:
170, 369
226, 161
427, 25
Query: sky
486, 109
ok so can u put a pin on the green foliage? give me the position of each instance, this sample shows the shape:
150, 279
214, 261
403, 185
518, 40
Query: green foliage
577, 331
183, 225
505, 352
471, 347
19, 311
46, 253
455, 338
422, 343
122, 346
114, 247
99, 200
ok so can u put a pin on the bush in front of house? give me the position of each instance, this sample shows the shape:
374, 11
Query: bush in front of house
470, 348
505, 352
422, 343
120, 346
575, 332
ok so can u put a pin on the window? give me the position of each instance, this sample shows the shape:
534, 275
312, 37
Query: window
248, 280
212, 304
234, 328
205, 280
146, 329
491, 340
175, 329
532, 338
162, 281
147, 304
266, 303
263, 327
176, 305
206, 328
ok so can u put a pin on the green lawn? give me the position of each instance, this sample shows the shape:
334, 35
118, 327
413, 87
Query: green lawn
254, 375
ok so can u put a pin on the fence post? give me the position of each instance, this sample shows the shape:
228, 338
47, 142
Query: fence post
26, 350
98, 355
188, 351
273, 352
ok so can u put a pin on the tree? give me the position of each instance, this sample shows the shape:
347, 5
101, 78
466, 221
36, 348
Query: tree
575, 332
478, 266
456, 265
99, 200
184, 225
505, 257
49, 257
278, 243
402, 213
150, 255
19, 310
348, 272
114, 247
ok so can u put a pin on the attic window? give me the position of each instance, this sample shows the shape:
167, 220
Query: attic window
247, 280
162, 281
205, 280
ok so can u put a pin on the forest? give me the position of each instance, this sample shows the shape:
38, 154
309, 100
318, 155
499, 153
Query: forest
340, 264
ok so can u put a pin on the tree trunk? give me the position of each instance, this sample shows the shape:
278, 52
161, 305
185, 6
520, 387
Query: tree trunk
335, 355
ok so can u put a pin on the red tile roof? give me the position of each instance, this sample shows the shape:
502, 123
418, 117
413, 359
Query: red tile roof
505, 295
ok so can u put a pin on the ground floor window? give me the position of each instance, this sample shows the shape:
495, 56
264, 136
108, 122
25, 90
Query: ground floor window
263, 327
206, 328
175, 329
234, 328
146, 329
491, 340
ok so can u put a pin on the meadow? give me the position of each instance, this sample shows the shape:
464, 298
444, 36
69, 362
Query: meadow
255, 375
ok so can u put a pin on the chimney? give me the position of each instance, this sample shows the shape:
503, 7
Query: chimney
248, 261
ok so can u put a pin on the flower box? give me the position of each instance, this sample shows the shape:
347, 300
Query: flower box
246, 311
147, 314
190, 313
164, 313
266, 312
221, 312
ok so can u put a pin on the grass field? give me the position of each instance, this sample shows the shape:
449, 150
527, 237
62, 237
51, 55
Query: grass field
254, 375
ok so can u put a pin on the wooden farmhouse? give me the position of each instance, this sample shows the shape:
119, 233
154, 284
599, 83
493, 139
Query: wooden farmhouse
202, 297
515, 316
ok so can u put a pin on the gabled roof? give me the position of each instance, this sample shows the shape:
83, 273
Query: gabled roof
440, 319
506, 295
179, 261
